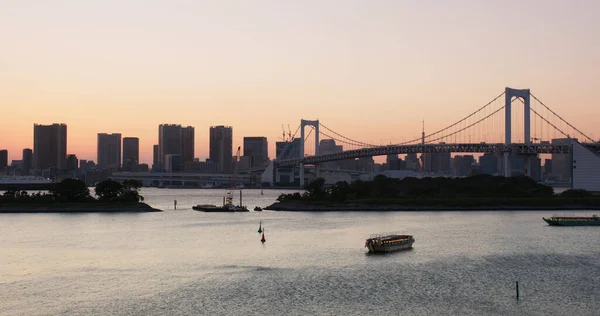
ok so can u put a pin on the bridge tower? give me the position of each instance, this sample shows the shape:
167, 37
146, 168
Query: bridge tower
314, 124
509, 95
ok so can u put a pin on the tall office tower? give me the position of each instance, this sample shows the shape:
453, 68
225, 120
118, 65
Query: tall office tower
72, 162
175, 140
257, 148
49, 146
109, 151
221, 144
27, 161
187, 145
131, 152
3, 159
562, 164
155, 165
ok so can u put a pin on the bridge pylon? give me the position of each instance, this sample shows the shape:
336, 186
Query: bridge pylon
315, 124
509, 94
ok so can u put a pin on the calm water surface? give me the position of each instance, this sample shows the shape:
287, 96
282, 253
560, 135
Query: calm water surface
183, 262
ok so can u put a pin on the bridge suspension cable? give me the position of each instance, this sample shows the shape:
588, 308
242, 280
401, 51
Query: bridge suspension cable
466, 127
569, 124
453, 125
348, 140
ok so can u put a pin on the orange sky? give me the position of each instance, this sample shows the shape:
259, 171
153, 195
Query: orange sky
370, 71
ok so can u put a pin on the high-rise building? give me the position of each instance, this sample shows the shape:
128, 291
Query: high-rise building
175, 140
3, 159
27, 161
562, 164
49, 146
72, 162
288, 149
257, 148
187, 144
221, 147
131, 152
155, 165
109, 151
436, 162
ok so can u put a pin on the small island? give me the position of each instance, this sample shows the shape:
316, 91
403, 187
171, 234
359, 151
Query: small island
477, 193
73, 196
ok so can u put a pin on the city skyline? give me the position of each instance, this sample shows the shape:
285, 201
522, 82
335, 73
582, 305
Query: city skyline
359, 67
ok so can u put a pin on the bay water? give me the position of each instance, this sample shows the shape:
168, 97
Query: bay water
184, 262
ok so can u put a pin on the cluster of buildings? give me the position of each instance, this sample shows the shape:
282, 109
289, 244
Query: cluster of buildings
174, 162
174, 153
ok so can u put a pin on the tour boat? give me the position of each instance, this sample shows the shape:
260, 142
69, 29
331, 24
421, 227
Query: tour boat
593, 220
389, 243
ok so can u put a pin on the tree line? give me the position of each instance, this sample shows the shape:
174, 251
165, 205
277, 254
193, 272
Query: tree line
75, 190
382, 187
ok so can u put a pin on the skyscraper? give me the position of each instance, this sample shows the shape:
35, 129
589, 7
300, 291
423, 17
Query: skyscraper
49, 146
257, 149
221, 147
155, 165
175, 140
27, 161
109, 151
131, 152
187, 145
3, 159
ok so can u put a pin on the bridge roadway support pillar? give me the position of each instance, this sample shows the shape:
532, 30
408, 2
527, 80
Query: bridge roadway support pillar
507, 167
301, 175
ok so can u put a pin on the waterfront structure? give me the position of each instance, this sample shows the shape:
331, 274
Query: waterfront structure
221, 147
187, 144
49, 146
109, 151
72, 162
173, 163
562, 166
155, 165
436, 162
131, 152
3, 159
175, 140
488, 164
27, 161
257, 149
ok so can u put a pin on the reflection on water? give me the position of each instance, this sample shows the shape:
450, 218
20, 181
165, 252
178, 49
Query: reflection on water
186, 262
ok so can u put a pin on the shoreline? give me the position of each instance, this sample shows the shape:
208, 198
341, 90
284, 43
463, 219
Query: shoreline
299, 207
77, 208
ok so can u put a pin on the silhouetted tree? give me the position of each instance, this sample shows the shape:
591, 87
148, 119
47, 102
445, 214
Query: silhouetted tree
108, 190
72, 190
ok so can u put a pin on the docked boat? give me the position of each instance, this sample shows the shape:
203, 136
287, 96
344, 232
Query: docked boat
593, 220
389, 243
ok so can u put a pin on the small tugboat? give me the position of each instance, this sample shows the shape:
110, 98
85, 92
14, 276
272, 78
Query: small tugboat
228, 206
593, 220
388, 243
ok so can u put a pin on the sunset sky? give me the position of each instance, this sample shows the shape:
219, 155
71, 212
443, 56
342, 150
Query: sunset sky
371, 70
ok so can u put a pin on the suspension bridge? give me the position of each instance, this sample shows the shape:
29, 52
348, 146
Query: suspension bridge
515, 114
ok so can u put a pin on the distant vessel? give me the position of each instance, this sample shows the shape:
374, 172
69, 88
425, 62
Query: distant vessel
263, 237
593, 220
260, 227
228, 205
389, 243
